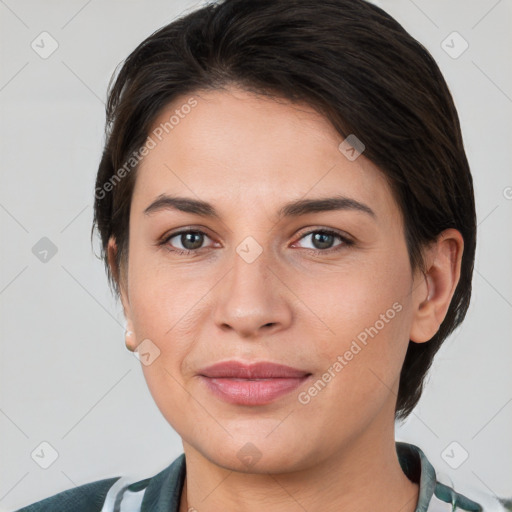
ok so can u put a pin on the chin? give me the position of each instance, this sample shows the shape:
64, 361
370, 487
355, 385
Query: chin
258, 454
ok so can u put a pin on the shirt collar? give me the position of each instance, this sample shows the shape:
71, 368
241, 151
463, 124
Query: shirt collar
163, 493
418, 469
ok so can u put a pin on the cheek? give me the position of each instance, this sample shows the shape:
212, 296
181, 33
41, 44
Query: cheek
351, 298
169, 307
161, 311
160, 294
365, 316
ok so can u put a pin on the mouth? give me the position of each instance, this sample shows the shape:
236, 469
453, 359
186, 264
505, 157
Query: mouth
251, 384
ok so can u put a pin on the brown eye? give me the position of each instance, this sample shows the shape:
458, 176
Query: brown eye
191, 240
185, 242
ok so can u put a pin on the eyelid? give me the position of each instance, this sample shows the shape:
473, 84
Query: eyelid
325, 229
345, 238
164, 239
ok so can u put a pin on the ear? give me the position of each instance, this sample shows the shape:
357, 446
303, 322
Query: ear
433, 291
118, 276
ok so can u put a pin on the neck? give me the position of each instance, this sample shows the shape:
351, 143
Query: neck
362, 475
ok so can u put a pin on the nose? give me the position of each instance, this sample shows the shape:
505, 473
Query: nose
251, 299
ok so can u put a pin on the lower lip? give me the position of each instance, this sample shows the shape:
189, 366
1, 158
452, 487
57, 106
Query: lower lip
252, 392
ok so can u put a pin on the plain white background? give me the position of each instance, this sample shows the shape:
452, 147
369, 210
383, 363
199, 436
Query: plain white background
66, 377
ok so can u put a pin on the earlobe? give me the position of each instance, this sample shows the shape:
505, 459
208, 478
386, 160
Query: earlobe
431, 299
130, 341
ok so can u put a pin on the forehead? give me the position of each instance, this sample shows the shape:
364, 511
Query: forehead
232, 145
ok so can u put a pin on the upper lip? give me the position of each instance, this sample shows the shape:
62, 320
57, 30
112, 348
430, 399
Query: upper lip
259, 370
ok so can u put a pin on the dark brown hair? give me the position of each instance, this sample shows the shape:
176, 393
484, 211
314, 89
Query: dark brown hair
350, 61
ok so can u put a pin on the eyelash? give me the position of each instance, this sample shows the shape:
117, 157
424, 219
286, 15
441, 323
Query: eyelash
186, 252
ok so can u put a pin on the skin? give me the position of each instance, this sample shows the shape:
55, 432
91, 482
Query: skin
247, 155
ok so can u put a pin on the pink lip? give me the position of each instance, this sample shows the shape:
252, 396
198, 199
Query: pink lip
251, 384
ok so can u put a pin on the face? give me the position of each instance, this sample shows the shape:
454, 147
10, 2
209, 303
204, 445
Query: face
326, 290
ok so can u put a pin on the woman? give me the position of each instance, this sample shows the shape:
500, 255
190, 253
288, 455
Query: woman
287, 215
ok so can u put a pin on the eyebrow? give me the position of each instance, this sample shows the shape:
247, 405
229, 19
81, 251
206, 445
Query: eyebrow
292, 209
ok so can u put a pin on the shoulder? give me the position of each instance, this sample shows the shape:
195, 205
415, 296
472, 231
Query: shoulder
446, 498
159, 493
87, 498
437, 491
